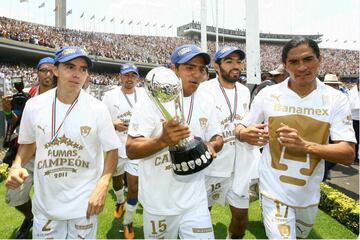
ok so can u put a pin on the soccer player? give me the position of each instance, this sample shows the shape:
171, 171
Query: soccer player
232, 102
20, 197
299, 114
120, 102
174, 206
69, 136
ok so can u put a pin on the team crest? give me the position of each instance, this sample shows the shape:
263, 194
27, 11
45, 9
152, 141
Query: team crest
215, 196
203, 122
85, 130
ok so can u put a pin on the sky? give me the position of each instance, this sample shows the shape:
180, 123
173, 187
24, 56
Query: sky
337, 20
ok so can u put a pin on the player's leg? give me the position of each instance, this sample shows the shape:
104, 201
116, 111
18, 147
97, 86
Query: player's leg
131, 168
160, 227
305, 219
49, 229
20, 199
196, 223
239, 205
82, 228
278, 219
118, 187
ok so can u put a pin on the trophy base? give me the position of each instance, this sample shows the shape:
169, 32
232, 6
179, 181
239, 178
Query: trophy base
194, 158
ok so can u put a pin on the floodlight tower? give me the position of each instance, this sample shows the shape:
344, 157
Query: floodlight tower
60, 13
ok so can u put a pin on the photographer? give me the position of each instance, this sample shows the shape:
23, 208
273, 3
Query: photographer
13, 107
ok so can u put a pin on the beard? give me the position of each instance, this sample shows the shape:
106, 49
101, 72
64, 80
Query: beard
226, 76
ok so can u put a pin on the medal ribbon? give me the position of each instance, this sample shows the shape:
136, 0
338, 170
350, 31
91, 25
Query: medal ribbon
232, 113
54, 133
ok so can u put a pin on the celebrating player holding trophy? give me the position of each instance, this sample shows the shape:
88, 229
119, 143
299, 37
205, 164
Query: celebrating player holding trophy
178, 204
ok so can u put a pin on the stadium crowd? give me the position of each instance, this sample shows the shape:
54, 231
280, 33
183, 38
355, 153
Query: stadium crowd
146, 49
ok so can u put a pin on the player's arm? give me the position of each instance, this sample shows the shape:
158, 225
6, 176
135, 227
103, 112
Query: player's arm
254, 134
338, 152
17, 173
141, 147
97, 199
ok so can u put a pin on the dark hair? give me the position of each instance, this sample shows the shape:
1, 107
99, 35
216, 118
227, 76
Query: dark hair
296, 42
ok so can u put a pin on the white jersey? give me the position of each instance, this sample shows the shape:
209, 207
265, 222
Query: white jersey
160, 192
120, 107
354, 98
223, 165
67, 170
291, 177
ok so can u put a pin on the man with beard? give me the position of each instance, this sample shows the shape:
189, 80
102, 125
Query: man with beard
232, 104
20, 197
174, 206
120, 102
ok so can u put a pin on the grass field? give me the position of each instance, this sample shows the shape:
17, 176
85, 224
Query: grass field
325, 227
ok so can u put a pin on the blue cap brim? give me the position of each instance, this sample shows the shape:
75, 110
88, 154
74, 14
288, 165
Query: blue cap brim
225, 54
128, 71
73, 56
191, 56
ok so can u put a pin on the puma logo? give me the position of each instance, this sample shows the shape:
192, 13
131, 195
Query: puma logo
116, 106
42, 129
277, 97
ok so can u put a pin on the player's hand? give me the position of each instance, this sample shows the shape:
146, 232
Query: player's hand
6, 103
120, 126
211, 149
254, 134
97, 200
16, 177
173, 132
290, 138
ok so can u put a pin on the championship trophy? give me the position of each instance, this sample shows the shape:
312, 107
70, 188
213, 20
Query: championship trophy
164, 88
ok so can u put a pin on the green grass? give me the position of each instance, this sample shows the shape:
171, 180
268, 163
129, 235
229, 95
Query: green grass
325, 227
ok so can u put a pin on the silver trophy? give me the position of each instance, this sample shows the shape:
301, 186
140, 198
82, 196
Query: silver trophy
164, 88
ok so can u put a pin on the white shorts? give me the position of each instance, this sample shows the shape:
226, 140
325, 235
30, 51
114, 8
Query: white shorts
132, 166
219, 190
120, 166
21, 195
193, 224
79, 228
282, 221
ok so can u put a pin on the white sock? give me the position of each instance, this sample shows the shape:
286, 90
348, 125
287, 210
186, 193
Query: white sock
119, 195
129, 213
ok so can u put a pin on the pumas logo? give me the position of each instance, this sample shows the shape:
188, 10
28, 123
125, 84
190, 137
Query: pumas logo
215, 196
203, 122
276, 97
41, 128
116, 106
85, 130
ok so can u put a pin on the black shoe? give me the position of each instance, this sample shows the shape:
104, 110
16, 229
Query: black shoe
24, 230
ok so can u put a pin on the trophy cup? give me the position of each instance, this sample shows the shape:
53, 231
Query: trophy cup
164, 88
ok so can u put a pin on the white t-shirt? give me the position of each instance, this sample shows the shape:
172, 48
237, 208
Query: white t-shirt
66, 172
223, 165
160, 191
291, 177
120, 108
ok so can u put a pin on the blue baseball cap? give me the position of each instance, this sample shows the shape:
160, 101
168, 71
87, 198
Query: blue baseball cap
68, 53
226, 51
187, 52
49, 60
129, 67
